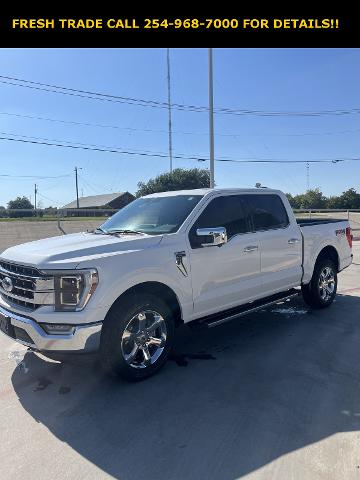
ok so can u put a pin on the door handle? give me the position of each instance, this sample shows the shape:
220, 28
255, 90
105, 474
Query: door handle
251, 248
293, 240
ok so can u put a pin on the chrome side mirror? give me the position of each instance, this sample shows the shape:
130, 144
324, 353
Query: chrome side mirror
218, 236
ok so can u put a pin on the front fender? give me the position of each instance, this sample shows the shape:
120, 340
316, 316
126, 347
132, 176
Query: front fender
120, 273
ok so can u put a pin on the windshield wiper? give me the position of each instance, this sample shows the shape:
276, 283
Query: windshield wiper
125, 231
100, 230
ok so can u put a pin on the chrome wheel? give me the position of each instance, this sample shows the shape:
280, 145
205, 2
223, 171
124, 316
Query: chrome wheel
326, 283
144, 339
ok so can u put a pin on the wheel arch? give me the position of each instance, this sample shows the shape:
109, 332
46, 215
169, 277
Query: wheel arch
157, 289
329, 252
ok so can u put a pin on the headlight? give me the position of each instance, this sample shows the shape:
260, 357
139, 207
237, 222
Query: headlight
73, 288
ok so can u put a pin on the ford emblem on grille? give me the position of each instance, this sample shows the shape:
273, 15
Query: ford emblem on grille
7, 284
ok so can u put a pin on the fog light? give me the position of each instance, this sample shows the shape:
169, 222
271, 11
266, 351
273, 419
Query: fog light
57, 328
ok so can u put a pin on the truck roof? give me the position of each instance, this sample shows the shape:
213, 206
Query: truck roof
207, 191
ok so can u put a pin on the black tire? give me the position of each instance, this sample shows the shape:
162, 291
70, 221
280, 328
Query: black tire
120, 320
313, 293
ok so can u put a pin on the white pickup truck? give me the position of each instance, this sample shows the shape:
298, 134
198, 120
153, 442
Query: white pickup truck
205, 256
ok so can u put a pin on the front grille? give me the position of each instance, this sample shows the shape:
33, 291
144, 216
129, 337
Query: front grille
19, 269
29, 288
21, 303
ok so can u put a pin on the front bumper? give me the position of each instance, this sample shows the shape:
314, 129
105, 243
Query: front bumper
84, 338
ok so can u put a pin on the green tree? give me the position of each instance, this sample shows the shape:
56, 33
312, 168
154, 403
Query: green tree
179, 179
315, 199
294, 200
21, 203
311, 199
349, 199
333, 202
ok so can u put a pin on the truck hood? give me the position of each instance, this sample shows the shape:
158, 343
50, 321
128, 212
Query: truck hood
68, 251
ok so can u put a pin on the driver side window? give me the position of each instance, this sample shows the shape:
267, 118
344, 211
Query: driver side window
228, 212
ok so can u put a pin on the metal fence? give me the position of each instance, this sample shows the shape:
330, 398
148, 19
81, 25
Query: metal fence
352, 215
54, 213
328, 211
107, 212
64, 214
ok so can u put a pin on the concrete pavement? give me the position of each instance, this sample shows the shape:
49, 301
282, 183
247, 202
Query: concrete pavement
22, 231
274, 395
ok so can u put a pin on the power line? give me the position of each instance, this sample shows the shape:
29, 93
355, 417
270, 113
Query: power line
89, 124
164, 155
47, 198
96, 190
93, 148
32, 176
114, 149
87, 92
94, 187
158, 104
104, 97
177, 132
134, 151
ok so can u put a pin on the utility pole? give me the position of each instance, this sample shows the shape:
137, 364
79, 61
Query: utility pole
35, 191
307, 176
211, 119
77, 187
169, 110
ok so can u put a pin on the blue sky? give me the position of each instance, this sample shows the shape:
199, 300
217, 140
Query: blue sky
259, 79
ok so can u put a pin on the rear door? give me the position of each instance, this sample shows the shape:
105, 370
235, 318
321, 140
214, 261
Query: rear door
229, 275
280, 243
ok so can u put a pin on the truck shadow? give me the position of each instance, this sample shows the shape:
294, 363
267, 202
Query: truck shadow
252, 390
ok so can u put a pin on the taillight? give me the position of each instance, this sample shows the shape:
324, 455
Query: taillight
349, 236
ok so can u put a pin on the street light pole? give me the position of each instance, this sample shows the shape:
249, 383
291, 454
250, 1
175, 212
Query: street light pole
211, 119
169, 110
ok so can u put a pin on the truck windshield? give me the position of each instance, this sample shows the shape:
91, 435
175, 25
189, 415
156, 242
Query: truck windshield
152, 215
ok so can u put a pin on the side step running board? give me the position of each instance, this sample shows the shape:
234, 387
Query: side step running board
226, 316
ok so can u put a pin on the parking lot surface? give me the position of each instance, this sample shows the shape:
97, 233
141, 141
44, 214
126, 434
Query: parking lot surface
22, 231
274, 395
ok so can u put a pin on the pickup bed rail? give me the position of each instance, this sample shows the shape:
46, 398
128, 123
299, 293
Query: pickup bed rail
306, 222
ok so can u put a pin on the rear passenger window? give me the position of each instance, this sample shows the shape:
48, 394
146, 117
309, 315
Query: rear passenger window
228, 212
268, 212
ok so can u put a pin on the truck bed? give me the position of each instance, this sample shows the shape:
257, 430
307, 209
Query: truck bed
320, 232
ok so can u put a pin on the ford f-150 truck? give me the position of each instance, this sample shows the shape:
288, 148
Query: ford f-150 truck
203, 256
